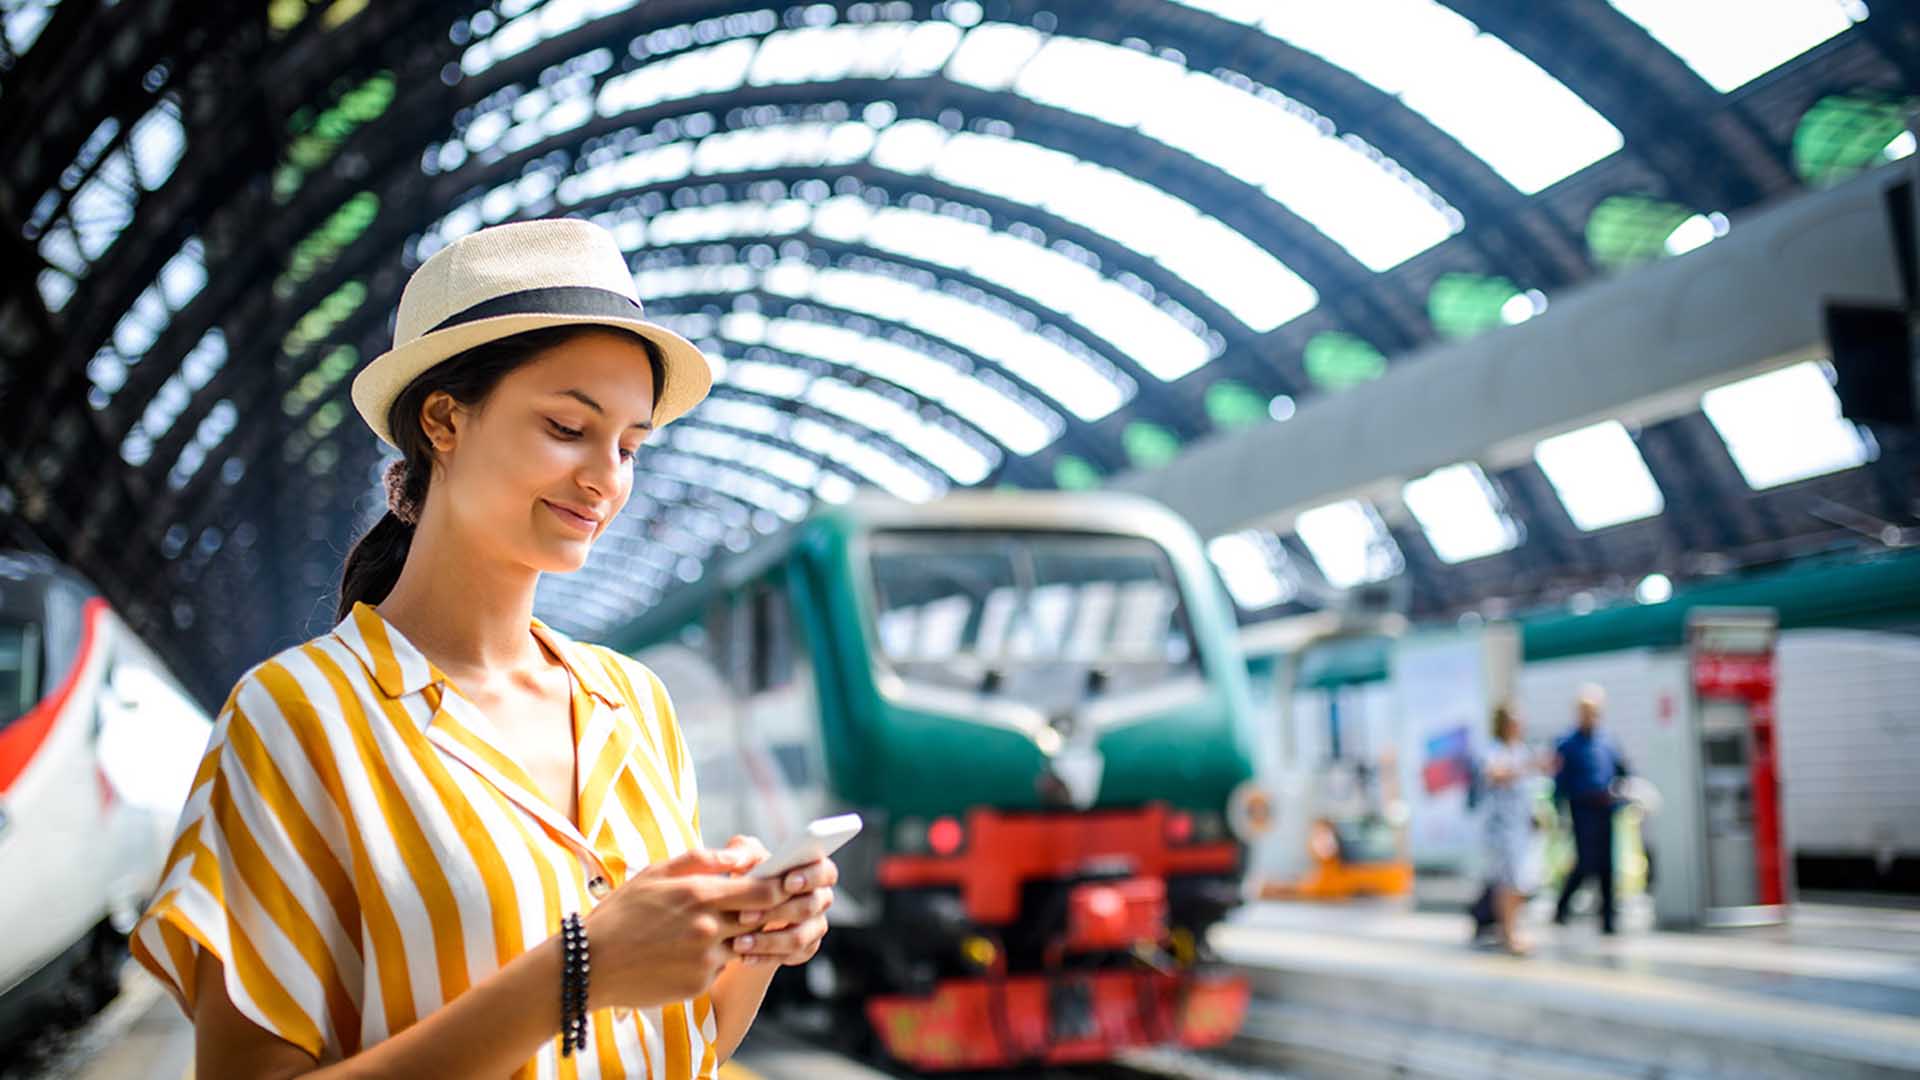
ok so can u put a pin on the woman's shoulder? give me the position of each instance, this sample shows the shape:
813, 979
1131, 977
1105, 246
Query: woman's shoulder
289, 683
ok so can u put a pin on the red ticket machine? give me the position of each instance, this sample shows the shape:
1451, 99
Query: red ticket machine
1731, 668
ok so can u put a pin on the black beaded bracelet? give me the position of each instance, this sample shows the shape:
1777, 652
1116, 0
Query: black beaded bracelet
573, 985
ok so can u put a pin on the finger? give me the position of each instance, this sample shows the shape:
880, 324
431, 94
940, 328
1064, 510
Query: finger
737, 894
797, 910
817, 874
744, 853
779, 943
697, 861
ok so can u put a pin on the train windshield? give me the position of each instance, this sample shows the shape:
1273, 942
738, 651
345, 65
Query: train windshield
19, 669
1047, 618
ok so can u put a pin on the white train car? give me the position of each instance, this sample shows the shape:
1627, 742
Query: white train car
98, 745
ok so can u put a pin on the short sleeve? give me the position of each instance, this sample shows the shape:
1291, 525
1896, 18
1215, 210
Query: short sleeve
253, 877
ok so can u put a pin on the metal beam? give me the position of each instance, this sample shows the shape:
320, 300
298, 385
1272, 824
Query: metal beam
1640, 347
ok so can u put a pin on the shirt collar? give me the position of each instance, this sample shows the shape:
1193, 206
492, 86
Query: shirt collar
399, 669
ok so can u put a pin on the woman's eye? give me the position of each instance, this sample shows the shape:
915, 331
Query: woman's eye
563, 430
626, 454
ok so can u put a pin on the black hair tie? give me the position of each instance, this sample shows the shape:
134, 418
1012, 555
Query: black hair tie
573, 985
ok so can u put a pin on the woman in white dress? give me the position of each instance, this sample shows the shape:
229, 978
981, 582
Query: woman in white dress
1510, 770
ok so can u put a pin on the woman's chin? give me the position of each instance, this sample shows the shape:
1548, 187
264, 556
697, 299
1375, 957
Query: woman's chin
562, 555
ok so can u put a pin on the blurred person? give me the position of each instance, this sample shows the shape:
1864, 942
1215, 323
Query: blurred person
1588, 764
446, 840
1507, 772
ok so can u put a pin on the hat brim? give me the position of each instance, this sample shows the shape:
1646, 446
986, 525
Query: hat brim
688, 374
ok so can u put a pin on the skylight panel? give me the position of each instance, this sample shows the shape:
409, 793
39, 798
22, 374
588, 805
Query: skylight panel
845, 218
103, 208
1461, 513
782, 464
693, 280
834, 488
880, 468
773, 380
909, 146
990, 411
1729, 43
1048, 367
927, 49
1117, 85
945, 450
158, 143
991, 55
1020, 171
1249, 564
1501, 106
1785, 426
755, 149
754, 490
723, 220
1523, 122
184, 275
1340, 185
713, 70
23, 24
1240, 276
749, 416
810, 54
1349, 543
1599, 476
1000, 417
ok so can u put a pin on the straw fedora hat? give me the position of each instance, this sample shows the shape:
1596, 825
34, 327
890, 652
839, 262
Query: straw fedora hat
511, 278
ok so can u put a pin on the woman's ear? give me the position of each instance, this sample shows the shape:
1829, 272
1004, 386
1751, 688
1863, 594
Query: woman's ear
440, 417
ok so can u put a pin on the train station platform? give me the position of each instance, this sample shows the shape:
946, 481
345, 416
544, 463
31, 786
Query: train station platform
1359, 990
1365, 990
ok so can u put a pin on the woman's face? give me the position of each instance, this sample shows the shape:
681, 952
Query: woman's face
1511, 728
540, 468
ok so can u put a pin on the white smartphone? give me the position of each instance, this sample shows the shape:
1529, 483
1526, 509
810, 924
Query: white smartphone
819, 839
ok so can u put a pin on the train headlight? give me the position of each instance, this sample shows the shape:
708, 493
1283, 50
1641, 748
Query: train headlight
1180, 827
1194, 827
945, 836
979, 951
1250, 811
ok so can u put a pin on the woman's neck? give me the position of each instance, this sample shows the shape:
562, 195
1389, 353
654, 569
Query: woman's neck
466, 612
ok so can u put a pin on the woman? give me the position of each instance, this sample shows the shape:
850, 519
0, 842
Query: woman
396, 826
1509, 770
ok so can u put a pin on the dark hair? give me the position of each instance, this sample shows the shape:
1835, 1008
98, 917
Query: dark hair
374, 563
1503, 715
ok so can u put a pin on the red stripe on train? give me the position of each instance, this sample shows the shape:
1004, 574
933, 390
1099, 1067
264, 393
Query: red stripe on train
24, 737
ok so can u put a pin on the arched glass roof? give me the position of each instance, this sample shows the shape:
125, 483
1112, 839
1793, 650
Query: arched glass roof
930, 245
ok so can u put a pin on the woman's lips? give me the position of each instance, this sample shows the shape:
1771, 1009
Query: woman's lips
584, 524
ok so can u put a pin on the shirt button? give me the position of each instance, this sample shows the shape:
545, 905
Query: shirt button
599, 888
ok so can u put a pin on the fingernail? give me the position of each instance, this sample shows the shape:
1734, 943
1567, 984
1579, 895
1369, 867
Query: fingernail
747, 917
796, 882
744, 942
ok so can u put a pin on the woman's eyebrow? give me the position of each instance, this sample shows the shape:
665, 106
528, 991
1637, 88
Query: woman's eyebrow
595, 406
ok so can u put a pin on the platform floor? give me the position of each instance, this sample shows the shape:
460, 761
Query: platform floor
1837, 985
1383, 989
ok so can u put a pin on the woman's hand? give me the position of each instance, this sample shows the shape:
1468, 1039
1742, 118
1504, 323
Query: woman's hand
790, 932
666, 932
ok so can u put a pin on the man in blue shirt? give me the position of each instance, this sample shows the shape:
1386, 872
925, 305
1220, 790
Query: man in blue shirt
1589, 764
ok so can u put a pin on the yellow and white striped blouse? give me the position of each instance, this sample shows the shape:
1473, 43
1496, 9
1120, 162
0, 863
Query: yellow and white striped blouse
360, 847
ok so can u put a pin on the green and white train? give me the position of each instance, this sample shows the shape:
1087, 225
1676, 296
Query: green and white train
1038, 704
